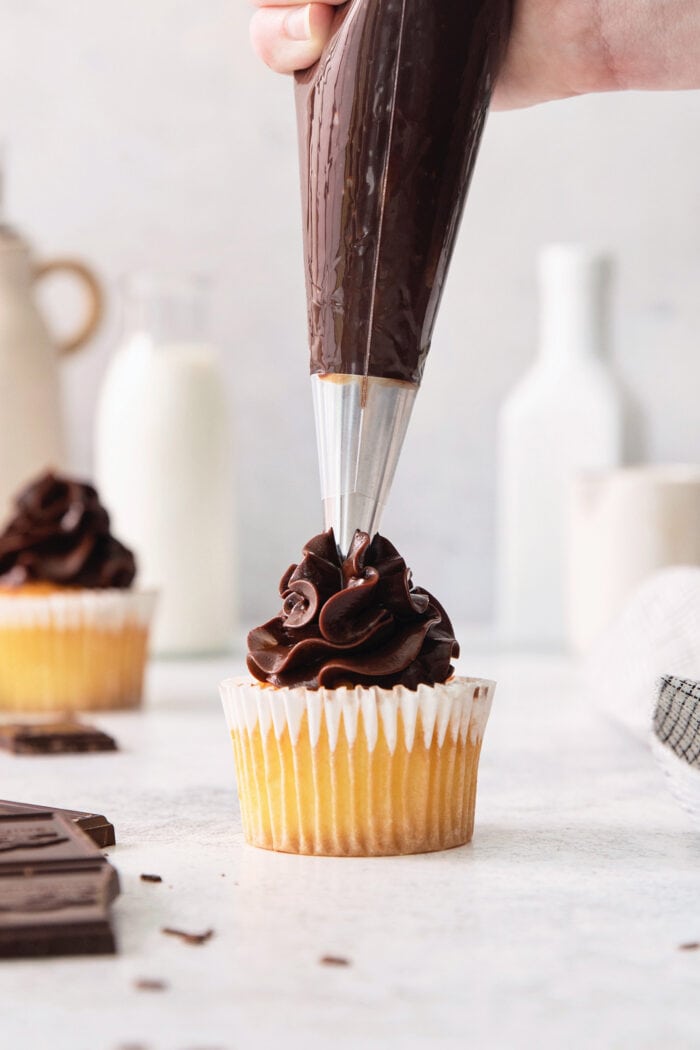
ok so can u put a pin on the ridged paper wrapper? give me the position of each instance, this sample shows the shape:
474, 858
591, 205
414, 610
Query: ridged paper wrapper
73, 650
357, 771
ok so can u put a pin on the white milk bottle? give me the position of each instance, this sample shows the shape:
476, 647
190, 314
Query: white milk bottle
565, 416
163, 463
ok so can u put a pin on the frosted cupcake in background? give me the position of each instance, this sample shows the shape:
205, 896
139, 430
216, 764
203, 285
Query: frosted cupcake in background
73, 632
356, 738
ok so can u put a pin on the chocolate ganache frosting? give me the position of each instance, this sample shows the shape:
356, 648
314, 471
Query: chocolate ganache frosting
60, 534
357, 621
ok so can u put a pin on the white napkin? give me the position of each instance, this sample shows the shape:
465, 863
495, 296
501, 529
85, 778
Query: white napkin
656, 635
645, 674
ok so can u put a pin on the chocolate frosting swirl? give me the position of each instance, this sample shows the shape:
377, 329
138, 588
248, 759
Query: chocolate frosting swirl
60, 534
354, 622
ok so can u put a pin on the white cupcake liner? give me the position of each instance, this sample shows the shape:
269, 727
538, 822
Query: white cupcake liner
460, 707
105, 610
357, 771
82, 650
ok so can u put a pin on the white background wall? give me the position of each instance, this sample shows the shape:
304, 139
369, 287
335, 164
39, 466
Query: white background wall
147, 135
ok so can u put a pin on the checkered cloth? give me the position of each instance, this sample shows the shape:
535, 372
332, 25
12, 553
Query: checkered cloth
645, 674
677, 718
676, 740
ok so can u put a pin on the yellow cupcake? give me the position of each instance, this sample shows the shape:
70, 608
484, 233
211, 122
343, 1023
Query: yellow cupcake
357, 771
73, 634
356, 739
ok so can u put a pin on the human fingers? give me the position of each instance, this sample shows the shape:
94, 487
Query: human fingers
290, 36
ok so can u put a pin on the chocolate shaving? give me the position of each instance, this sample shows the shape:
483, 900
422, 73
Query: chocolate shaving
188, 938
334, 960
690, 946
151, 878
150, 984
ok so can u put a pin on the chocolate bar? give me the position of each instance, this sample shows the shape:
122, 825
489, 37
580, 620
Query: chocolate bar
53, 738
97, 827
55, 886
57, 913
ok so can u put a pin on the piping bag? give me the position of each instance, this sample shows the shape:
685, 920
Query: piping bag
390, 120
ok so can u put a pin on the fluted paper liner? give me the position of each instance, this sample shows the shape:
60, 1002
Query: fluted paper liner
357, 771
73, 650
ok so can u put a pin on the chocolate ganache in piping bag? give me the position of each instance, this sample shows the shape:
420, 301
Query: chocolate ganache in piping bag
390, 121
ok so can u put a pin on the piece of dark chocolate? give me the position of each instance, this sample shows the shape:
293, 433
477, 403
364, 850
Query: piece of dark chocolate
53, 738
47, 840
151, 878
95, 825
55, 885
56, 912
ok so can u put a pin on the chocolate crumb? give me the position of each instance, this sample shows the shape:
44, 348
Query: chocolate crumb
151, 878
150, 984
334, 960
188, 938
690, 946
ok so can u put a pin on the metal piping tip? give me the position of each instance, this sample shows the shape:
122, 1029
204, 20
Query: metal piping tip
361, 423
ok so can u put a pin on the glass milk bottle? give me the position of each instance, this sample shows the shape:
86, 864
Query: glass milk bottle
163, 462
563, 417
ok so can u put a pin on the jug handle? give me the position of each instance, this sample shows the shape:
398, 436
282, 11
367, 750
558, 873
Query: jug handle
94, 299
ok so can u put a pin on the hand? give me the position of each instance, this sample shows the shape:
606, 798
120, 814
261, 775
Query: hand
290, 34
557, 48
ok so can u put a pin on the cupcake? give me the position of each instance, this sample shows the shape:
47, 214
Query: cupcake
355, 737
73, 632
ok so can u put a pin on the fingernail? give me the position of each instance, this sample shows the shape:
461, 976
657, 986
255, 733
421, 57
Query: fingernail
297, 24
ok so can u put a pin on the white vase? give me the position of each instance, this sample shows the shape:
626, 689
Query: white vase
563, 417
163, 465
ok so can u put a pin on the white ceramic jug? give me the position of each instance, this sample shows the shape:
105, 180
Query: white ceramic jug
31, 433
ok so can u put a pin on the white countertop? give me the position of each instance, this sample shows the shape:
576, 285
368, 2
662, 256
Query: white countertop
557, 927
